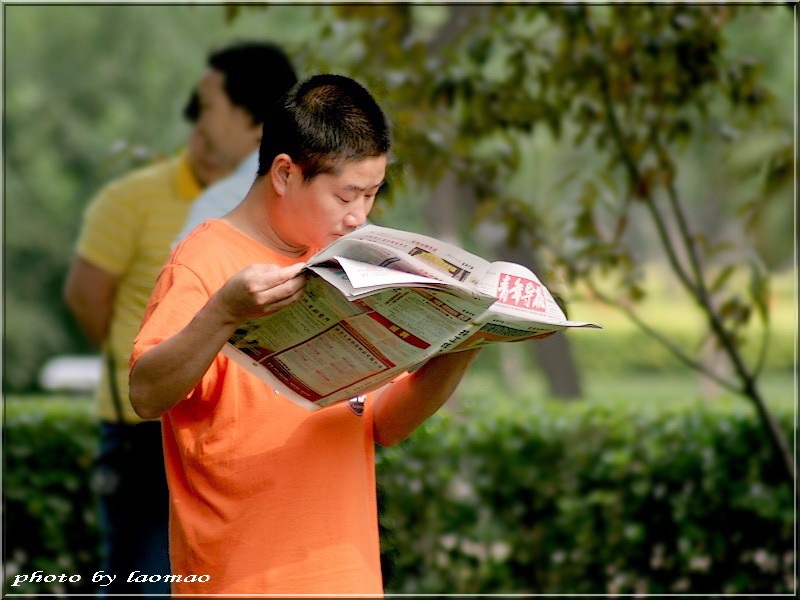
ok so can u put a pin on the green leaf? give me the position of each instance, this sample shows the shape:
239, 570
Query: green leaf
721, 278
759, 290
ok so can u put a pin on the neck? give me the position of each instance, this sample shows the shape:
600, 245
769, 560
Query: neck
252, 217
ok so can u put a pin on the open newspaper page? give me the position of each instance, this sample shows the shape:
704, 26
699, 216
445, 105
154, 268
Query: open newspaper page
380, 301
525, 308
357, 279
406, 251
326, 348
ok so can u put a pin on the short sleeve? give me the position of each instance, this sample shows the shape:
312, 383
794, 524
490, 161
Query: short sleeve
110, 229
369, 403
177, 297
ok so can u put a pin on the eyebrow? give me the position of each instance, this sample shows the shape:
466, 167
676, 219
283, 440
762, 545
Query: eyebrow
355, 188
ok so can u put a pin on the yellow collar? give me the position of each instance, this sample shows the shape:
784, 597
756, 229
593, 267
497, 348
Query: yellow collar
188, 186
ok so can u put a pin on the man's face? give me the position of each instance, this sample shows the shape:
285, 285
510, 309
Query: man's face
224, 133
315, 213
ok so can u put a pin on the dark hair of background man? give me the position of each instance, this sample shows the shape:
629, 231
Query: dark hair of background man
256, 94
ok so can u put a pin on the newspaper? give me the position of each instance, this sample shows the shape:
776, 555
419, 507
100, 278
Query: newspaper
380, 301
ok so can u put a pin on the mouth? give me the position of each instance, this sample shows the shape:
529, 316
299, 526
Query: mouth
211, 165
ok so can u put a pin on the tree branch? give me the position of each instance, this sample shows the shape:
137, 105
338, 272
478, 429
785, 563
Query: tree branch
703, 295
762, 351
698, 288
633, 171
665, 341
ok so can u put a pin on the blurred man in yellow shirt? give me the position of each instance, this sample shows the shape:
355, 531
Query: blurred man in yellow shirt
127, 231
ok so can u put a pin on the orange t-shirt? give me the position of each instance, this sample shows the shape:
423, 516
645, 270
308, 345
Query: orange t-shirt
265, 496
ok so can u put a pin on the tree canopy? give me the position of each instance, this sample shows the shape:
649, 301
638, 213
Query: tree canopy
567, 122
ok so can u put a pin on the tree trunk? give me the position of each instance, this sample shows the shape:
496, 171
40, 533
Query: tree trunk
553, 354
450, 200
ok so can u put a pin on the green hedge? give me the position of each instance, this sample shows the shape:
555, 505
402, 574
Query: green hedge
550, 498
582, 498
51, 516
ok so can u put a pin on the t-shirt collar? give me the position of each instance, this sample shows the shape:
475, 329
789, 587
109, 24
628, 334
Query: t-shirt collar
187, 184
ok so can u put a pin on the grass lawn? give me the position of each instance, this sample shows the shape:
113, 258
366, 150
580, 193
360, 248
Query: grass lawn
483, 384
625, 388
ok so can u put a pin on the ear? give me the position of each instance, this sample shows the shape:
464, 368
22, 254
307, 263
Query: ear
280, 171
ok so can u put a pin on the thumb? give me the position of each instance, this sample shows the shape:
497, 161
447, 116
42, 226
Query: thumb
293, 270
285, 274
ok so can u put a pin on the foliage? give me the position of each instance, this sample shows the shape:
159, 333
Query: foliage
496, 94
65, 137
450, 76
511, 497
90, 91
50, 513
577, 498
634, 85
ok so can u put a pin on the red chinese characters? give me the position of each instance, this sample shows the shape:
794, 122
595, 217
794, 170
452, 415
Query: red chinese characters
521, 293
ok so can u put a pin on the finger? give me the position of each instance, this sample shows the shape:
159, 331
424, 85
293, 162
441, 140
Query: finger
266, 267
296, 268
281, 291
254, 278
287, 273
273, 277
258, 270
279, 304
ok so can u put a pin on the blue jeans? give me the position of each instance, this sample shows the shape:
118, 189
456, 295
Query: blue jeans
134, 506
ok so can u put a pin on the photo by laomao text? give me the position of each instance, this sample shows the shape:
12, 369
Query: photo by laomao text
104, 579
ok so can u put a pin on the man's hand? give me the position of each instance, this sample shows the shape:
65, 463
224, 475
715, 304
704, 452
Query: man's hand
165, 374
259, 290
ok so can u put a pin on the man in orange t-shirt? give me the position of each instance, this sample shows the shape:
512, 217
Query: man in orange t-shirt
266, 497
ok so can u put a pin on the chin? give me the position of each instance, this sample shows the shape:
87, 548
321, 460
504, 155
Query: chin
329, 239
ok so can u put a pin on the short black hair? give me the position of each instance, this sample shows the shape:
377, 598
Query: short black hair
322, 122
191, 111
256, 74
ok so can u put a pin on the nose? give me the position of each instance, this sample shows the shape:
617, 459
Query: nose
357, 216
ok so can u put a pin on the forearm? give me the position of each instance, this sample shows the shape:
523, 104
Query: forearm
164, 375
404, 405
93, 318
89, 293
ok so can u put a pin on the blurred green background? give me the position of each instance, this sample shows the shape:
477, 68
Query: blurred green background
595, 464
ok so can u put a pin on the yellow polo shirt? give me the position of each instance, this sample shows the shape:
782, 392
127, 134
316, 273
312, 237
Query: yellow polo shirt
128, 229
